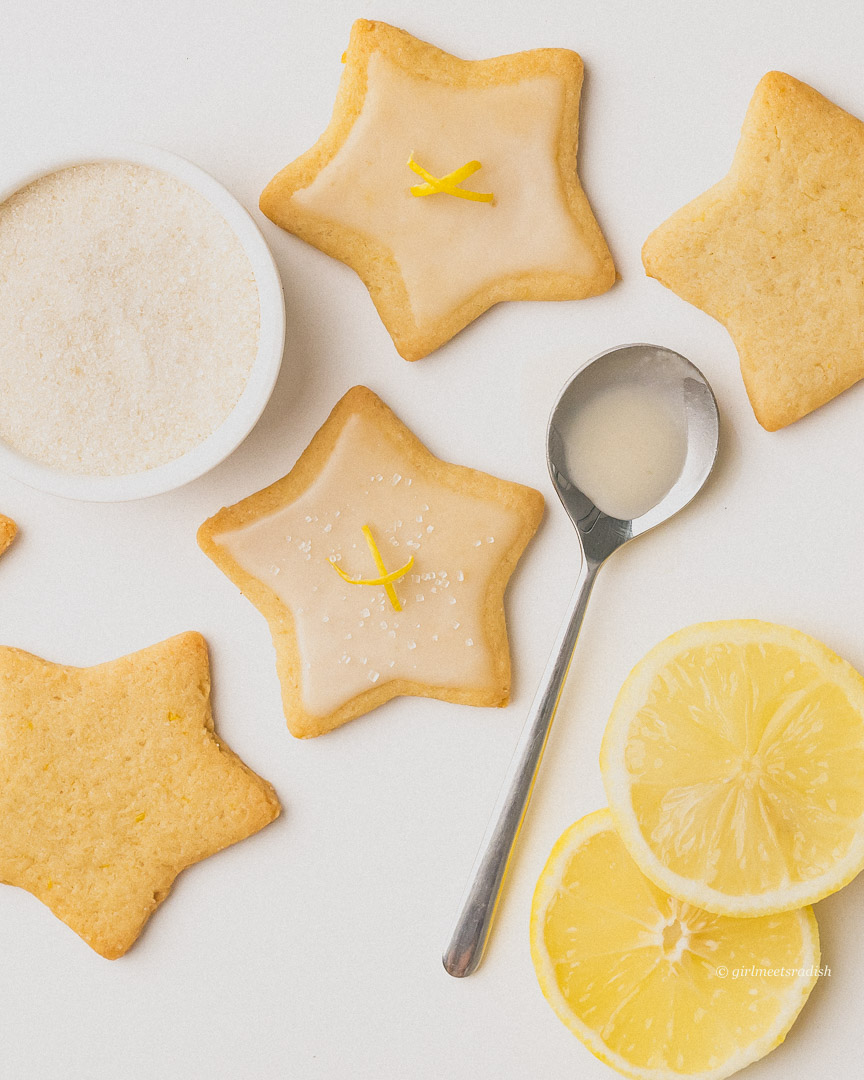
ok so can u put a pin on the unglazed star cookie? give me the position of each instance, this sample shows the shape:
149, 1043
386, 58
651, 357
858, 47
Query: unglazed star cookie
380, 568
112, 781
775, 250
448, 185
8, 531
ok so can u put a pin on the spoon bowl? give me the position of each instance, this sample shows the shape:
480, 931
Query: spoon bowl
690, 413
693, 407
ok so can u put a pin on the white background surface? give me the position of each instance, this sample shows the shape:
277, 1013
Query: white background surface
312, 950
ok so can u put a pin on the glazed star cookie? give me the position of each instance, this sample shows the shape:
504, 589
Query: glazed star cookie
112, 781
8, 531
380, 568
448, 185
775, 250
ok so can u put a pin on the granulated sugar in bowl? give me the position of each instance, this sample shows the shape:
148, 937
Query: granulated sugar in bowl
141, 324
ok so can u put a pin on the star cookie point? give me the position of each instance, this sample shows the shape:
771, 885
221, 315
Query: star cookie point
775, 250
112, 781
416, 611
8, 532
434, 256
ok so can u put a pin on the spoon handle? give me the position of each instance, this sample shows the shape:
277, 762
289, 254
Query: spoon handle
477, 910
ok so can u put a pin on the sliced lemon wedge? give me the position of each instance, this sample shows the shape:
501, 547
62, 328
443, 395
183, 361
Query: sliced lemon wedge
733, 762
653, 986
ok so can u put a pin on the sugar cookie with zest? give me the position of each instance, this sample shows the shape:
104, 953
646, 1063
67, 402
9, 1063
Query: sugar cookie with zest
448, 185
8, 532
775, 250
112, 781
380, 568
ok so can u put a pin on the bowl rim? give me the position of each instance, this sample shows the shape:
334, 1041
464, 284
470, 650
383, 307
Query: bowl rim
271, 342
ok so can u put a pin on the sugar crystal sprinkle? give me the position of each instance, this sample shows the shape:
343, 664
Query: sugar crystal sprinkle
129, 323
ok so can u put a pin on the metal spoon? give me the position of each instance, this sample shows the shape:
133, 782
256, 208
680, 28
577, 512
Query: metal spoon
690, 396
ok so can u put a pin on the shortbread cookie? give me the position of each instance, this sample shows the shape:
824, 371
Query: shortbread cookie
112, 781
8, 532
448, 185
775, 251
380, 569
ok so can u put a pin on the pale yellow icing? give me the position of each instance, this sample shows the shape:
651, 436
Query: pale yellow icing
447, 248
349, 636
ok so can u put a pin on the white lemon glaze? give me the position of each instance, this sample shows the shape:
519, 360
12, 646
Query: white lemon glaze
626, 448
447, 248
349, 636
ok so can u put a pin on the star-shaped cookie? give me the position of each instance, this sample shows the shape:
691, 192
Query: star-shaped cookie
380, 568
775, 250
8, 531
112, 781
501, 214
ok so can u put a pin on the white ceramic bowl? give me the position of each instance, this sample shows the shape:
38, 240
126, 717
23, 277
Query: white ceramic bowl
243, 417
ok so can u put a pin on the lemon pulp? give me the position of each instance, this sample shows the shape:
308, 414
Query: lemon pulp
734, 765
654, 986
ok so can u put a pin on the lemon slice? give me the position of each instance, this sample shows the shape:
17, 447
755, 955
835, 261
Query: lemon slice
733, 762
653, 986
